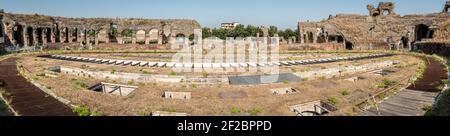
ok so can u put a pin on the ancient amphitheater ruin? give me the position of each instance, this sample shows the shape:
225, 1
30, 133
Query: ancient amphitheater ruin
369, 65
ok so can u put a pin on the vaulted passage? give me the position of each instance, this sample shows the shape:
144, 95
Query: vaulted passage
39, 36
18, 35
348, 46
30, 35
423, 32
49, 35
1, 29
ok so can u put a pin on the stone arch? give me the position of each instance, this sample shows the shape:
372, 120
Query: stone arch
180, 35
39, 32
127, 35
30, 35
348, 45
309, 37
405, 42
102, 35
140, 36
65, 34
74, 34
49, 34
153, 36
113, 31
446, 6
18, 35
1, 29
57, 33
422, 32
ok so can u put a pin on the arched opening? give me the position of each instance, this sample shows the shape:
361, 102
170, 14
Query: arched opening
340, 39
153, 36
422, 32
126, 35
385, 12
66, 34
30, 36
56, 33
18, 35
140, 37
405, 42
113, 33
49, 35
40, 36
1, 29
348, 45
310, 37
75, 35
102, 35
91, 35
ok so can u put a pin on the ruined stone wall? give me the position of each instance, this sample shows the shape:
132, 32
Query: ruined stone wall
385, 32
37, 30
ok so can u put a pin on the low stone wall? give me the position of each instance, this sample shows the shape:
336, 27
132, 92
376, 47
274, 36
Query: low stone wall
126, 77
334, 72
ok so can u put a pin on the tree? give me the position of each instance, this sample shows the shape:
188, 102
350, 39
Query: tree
272, 30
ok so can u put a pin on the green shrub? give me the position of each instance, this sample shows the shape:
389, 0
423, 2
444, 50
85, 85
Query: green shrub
385, 83
173, 73
81, 84
97, 113
345, 92
255, 111
332, 100
235, 110
82, 111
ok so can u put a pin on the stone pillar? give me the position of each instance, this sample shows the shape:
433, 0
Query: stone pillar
25, 37
52, 36
147, 38
79, 36
315, 38
119, 38
69, 35
44, 38
61, 36
160, 39
96, 38
107, 38
35, 38
88, 39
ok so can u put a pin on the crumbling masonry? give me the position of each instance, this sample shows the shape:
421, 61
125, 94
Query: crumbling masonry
20, 31
376, 31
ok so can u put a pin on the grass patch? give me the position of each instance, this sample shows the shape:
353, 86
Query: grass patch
255, 111
385, 83
80, 84
82, 111
286, 81
173, 73
235, 110
113, 71
345, 92
333, 100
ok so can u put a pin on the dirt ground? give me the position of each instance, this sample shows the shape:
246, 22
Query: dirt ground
206, 99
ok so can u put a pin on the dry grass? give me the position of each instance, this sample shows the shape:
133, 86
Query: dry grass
206, 100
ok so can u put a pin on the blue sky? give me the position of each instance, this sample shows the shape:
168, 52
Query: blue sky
210, 13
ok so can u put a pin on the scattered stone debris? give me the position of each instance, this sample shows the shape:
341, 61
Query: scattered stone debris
176, 95
283, 91
315, 108
354, 79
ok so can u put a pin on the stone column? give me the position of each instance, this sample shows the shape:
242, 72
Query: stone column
315, 38
119, 38
69, 35
35, 38
88, 39
160, 39
61, 38
147, 37
52, 36
24, 37
96, 38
